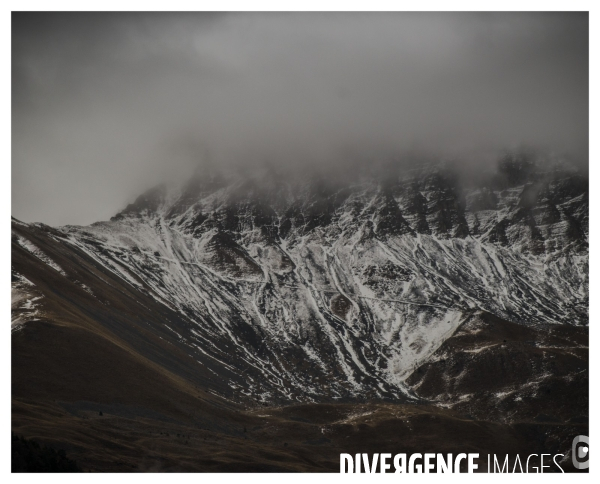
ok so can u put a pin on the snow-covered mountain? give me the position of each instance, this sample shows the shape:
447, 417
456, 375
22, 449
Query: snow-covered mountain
316, 290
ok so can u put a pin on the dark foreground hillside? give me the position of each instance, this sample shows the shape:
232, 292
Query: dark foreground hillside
29, 456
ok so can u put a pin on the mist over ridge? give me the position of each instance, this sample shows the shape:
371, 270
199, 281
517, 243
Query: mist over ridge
106, 105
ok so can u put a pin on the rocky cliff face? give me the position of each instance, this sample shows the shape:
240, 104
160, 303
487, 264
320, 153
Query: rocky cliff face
313, 291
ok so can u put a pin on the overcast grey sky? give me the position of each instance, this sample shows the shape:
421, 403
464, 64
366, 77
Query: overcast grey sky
106, 105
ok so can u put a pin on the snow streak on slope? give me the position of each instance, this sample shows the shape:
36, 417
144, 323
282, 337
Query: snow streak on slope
29, 246
23, 301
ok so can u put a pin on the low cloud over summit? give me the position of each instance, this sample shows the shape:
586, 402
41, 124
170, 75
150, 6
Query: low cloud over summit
107, 104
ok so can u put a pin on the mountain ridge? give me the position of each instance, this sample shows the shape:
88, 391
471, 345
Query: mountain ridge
377, 274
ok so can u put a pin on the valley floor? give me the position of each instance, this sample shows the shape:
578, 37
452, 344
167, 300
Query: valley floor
307, 438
